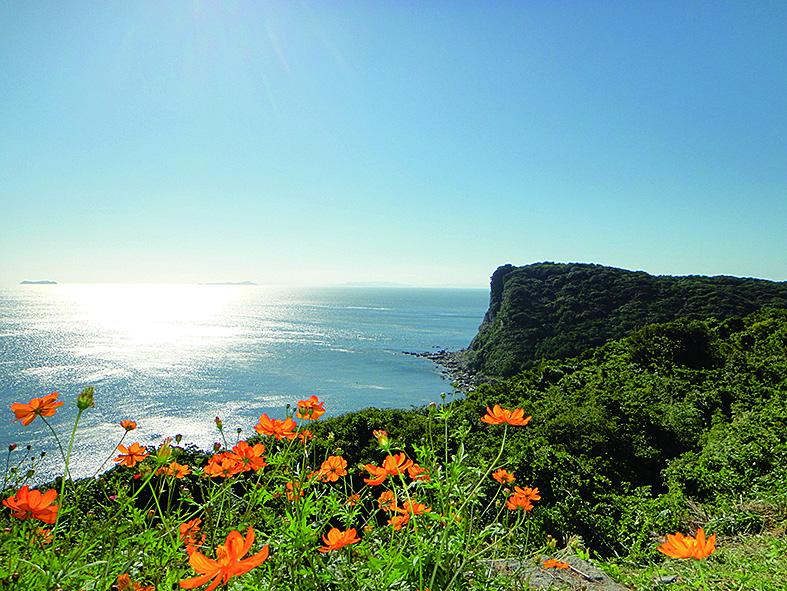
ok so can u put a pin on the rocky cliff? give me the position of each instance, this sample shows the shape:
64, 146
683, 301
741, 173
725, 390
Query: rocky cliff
555, 310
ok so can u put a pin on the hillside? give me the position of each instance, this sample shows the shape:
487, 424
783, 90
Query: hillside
553, 311
677, 425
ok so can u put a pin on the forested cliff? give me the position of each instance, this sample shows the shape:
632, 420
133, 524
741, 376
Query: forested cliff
556, 310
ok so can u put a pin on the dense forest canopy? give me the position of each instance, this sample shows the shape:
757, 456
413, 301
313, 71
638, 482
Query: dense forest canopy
553, 311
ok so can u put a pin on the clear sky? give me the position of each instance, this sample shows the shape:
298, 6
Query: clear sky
422, 142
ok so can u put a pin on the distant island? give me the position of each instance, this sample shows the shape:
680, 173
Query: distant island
46, 282
230, 283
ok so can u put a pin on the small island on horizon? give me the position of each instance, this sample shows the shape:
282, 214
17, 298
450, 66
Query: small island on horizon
44, 282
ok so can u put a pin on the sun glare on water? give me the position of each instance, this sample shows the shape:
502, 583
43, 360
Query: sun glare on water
157, 314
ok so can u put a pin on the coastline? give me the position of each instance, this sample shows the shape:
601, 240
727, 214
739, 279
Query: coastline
454, 367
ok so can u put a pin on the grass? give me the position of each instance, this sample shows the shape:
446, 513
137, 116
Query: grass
745, 563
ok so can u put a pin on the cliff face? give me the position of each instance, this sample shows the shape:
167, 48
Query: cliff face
551, 310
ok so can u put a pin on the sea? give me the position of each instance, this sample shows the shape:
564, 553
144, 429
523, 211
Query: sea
174, 357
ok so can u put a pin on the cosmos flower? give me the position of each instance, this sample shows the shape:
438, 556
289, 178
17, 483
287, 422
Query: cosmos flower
377, 475
229, 561
417, 472
174, 469
190, 534
333, 468
337, 539
284, 429
44, 406
503, 476
522, 498
387, 501
249, 457
310, 409
132, 455
27, 504
681, 546
499, 416
128, 425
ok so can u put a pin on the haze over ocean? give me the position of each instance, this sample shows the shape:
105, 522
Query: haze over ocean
172, 357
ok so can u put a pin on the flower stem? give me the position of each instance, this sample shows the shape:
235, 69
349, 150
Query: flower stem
66, 472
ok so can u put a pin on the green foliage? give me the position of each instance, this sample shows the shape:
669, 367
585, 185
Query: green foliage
627, 437
553, 311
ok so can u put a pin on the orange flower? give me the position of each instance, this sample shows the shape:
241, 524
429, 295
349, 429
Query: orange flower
387, 501
44, 406
128, 425
189, 533
175, 469
396, 464
552, 563
338, 539
498, 416
417, 472
124, 583
399, 520
26, 504
392, 466
248, 457
304, 435
522, 498
310, 409
377, 475
132, 455
333, 468
413, 508
503, 476
680, 546
223, 465
280, 429
353, 499
229, 561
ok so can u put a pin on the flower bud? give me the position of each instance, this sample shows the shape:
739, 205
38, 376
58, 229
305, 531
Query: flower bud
216, 446
219, 424
11, 447
164, 451
381, 437
85, 399
178, 438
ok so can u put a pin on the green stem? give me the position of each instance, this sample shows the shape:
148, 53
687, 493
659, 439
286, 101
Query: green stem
444, 541
67, 472
57, 440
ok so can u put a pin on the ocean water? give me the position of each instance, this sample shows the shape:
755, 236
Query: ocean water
172, 357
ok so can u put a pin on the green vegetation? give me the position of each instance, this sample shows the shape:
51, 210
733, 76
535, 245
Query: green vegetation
678, 426
553, 311
171, 517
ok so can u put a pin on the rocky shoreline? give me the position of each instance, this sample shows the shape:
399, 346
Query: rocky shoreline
454, 367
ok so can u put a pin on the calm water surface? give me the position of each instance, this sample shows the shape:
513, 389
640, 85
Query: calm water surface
172, 357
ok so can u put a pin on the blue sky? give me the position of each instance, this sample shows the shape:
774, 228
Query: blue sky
416, 142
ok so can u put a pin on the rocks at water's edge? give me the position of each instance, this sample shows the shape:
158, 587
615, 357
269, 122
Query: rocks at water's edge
455, 367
